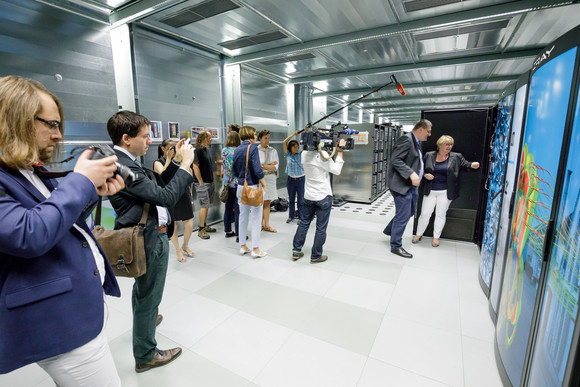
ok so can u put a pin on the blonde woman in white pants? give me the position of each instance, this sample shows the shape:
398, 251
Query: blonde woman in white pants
441, 185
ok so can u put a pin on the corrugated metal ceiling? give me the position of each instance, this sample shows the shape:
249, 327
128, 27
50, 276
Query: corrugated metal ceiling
460, 54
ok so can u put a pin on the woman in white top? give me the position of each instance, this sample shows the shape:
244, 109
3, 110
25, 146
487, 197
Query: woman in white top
269, 161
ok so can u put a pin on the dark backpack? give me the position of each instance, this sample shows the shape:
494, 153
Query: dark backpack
280, 204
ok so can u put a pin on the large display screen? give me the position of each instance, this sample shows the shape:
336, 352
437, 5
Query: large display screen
560, 302
545, 121
495, 186
509, 187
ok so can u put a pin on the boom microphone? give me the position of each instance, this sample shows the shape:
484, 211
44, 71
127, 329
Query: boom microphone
398, 85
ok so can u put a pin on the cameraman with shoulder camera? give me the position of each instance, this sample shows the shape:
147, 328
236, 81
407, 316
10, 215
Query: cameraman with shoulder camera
318, 166
53, 275
130, 133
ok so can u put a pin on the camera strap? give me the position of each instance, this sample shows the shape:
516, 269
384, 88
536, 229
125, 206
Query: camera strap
43, 173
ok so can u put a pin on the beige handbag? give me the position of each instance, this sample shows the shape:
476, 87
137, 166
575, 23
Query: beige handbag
251, 196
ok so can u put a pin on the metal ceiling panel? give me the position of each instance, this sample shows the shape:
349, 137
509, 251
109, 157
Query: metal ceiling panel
348, 45
454, 31
292, 58
443, 9
371, 53
113, 3
543, 27
229, 26
460, 44
305, 67
346, 84
509, 67
418, 5
314, 19
457, 72
247, 41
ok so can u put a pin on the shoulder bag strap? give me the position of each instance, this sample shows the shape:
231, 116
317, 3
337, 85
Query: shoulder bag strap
144, 215
98, 214
247, 157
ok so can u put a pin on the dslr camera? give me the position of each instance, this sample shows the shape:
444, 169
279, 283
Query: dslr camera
102, 150
314, 138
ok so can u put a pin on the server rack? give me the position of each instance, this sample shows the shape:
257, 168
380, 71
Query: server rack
363, 177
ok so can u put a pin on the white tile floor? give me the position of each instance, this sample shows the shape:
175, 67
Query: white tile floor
363, 318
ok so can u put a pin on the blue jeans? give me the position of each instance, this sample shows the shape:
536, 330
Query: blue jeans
295, 188
322, 210
232, 209
404, 209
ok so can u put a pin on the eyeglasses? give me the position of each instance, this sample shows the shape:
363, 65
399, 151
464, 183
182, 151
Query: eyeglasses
54, 125
449, 144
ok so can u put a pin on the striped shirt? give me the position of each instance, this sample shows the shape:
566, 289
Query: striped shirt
294, 166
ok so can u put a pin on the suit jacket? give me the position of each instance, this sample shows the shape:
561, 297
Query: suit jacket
147, 188
51, 297
456, 162
255, 172
405, 160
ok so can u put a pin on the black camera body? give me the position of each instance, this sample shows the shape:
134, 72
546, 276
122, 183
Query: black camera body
327, 139
102, 150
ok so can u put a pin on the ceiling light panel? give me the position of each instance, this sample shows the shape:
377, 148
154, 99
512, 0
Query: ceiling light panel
419, 5
247, 41
198, 12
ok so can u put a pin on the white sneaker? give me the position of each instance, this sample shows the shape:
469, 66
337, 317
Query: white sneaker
244, 251
259, 254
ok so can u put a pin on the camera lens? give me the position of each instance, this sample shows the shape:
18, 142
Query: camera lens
127, 175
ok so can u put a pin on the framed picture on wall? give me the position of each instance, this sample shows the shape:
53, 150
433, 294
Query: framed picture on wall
173, 130
214, 133
155, 131
195, 131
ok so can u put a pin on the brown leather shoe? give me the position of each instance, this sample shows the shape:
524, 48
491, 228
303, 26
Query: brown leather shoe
160, 359
159, 319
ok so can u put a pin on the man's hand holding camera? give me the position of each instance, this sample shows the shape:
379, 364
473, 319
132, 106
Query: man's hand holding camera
341, 144
186, 152
101, 172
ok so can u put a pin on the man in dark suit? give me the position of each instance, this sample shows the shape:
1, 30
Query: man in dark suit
405, 172
130, 135
53, 274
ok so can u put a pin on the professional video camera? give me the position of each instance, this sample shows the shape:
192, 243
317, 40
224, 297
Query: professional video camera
103, 150
314, 138
317, 139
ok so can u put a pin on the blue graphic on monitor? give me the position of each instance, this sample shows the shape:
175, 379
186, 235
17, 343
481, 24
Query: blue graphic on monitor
495, 186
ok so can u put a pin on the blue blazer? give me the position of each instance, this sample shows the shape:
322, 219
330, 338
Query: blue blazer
255, 172
51, 298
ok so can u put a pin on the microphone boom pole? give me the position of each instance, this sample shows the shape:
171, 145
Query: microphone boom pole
347, 105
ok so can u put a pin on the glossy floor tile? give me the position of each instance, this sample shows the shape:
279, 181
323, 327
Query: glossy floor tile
364, 318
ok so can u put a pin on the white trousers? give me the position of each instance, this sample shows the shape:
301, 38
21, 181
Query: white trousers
435, 200
88, 365
256, 221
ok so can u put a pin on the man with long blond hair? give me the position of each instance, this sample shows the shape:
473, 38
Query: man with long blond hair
53, 274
